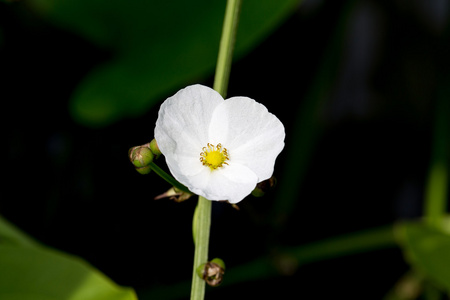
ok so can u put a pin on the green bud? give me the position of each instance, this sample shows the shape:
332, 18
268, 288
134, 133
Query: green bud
212, 272
144, 170
220, 262
155, 149
141, 157
264, 186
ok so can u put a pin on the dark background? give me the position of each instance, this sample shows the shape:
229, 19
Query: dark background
73, 188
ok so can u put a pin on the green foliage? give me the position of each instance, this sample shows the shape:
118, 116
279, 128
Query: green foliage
10, 235
427, 249
30, 271
156, 46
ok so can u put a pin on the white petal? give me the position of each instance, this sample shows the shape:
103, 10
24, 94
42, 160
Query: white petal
182, 128
232, 182
252, 135
183, 167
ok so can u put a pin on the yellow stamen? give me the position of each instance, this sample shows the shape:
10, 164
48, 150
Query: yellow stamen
214, 156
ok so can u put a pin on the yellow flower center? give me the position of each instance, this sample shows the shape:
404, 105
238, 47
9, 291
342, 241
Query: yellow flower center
214, 156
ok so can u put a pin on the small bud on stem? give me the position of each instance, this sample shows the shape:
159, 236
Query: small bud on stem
155, 149
212, 272
141, 157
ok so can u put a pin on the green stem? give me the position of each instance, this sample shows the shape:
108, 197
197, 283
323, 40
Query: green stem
201, 228
436, 195
202, 216
436, 187
226, 46
172, 181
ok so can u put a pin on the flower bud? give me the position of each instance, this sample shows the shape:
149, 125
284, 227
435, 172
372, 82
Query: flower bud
155, 149
141, 157
220, 262
144, 170
264, 186
212, 272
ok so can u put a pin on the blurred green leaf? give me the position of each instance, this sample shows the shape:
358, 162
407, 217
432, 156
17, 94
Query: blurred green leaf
156, 46
428, 250
38, 273
9, 234
30, 271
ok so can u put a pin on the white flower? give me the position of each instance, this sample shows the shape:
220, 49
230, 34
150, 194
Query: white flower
219, 149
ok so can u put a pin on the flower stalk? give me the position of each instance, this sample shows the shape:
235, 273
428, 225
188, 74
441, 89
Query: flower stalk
202, 224
226, 47
202, 216
164, 175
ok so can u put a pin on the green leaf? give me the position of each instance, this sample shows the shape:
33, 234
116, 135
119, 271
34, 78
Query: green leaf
31, 271
10, 235
157, 46
428, 250
43, 274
